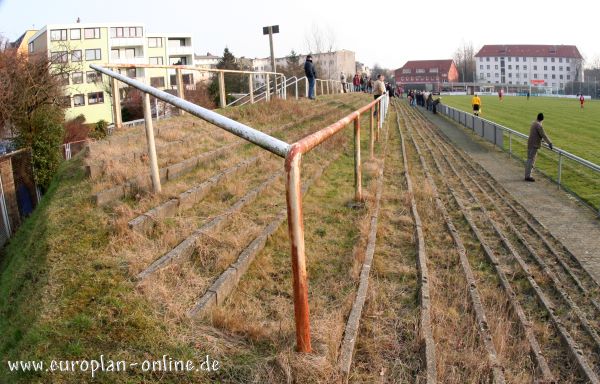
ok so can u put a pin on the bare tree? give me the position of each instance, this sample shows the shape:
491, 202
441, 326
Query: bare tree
464, 58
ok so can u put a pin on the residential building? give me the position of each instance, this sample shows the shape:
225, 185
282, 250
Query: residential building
207, 61
542, 65
22, 42
329, 65
427, 74
75, 46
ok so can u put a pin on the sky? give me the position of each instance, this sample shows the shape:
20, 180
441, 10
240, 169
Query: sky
385, 32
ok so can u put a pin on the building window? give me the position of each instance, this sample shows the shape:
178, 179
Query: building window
535, 59
433, 70
524, 59
155, 42
560, 68
114, 53
510, 82
496, 75
553, 76
495, 59
545, 67
31, 47
130, 72
517, 76
488, 66
552, 59
92, 54
489, 75
568, 69
58, 57
76, 55
78, 100
535, 75
568, 77
560, 77
510, 75
524, 67
91, 33
63, 79
129, 53
545, 59
77, 77
509, 59
535, 67
517, 67
58, 35
420, 70
517, 59
487, 59
567, 60
509, 66
95, 98
65, 101
76, 34
157, 82
553, 68
560, 59
545, 76
157, 60
524, 75
126, 32
496, 66
481, 66
93, 77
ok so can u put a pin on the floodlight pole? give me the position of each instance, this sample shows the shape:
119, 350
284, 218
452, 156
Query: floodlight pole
270, 30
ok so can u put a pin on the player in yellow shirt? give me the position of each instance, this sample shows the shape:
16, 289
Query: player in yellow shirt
476, 103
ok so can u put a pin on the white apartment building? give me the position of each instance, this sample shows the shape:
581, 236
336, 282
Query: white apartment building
207, 61
77, 45
329, 65
529, 65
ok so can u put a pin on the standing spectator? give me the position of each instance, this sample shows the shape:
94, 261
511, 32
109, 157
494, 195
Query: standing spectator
343, 81
356, 83
311, 75
536, 134
429, 101
581, 101
528, 94
369, 86
388, 89
378, 89
363, 83
476, 104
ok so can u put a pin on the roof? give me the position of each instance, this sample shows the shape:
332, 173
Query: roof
530, 51
441, 65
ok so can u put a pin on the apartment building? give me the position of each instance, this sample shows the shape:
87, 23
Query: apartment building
426, 74
539, 65
75, 46
329, 65
207, 61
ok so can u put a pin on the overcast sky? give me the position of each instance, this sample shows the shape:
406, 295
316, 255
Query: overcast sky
387, 32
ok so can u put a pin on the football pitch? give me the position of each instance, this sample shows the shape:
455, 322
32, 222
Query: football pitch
569, 127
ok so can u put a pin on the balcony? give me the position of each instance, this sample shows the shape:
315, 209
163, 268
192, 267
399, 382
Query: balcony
180, 50
129, 60
127, 42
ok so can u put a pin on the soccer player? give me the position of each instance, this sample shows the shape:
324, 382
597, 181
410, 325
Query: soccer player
476, 103
581, 100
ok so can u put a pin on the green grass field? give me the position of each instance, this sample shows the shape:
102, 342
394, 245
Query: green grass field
570, 128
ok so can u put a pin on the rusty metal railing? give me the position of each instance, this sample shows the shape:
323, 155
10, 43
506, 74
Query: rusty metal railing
292, 153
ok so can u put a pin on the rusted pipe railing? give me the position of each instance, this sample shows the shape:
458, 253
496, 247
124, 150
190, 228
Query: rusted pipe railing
295, 216
293, 161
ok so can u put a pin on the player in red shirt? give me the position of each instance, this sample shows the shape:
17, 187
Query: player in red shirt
581, 100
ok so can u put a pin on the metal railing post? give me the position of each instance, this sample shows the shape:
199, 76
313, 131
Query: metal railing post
180, 88
371, 134
296, 89
306, 86
559, 169
116, 103
509, 144
222, 94
296, 233
151, 146
268, 90
251, 88
321, 87
275, 86
357, 162
327, 84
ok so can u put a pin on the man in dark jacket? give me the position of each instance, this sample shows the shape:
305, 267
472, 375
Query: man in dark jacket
536, 135
311, 75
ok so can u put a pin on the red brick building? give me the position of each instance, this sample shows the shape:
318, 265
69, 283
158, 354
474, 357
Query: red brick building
426, 72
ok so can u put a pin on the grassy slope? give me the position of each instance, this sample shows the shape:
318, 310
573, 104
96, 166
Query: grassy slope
569, 127
65, 295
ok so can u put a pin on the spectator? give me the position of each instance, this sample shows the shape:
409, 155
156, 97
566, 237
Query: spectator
528, 94
343, 81
435, 104
311, 75
356, 83
429, 102
476, 104
363, 83
378, 88
536, 134
369, 86
388, 89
